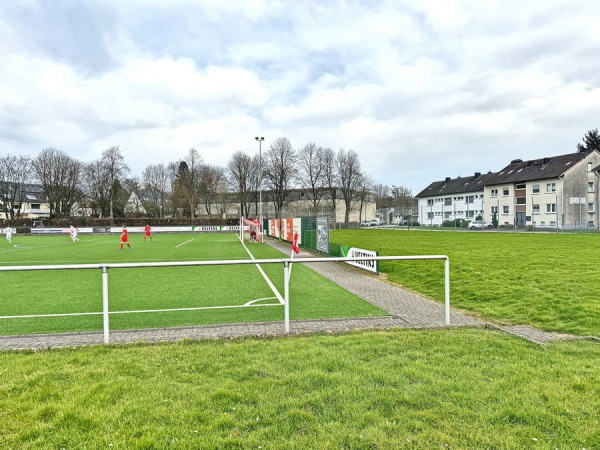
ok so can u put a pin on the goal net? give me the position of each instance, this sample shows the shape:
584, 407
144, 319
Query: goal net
250, 230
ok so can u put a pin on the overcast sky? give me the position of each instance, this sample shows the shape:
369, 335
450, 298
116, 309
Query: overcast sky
419, 89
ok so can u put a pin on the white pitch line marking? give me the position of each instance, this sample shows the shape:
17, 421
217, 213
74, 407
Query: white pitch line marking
186, 242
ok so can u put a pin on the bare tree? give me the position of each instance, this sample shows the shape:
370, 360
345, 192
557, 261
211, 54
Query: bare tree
255, 178
382, 196
280, 171
364, 194
311, 162
192, 182
155, 180
223, 198
114, 167
60, 177
186, 184
403, 202
240, 171
350, 179
15, 174
331, 177
172, 175
211, 182
97, 188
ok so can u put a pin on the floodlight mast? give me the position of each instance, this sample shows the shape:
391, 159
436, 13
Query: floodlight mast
260, 177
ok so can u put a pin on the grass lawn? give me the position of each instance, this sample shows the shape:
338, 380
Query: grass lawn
397, 389
230, 287
400, 389
547, 280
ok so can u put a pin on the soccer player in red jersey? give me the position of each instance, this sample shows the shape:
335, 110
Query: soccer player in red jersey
124, 239
147, 232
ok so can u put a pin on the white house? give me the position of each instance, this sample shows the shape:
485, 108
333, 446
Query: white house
458, 198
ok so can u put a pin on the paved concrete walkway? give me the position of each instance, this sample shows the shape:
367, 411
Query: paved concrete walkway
406, 309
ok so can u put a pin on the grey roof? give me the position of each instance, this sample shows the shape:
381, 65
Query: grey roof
536, 169
31, 193
458, 185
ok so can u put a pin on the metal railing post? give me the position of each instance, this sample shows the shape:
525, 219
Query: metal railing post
286, 295
447, 289
105, 303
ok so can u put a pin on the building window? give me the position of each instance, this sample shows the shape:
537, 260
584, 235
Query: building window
494, 210
448, 201
520, 186
551, 187
590, 186
470, 214
470, 199
535, 209
505, 209
591, 207
504, 191
494, 193
35, 206
429, 202
589, 167
550, 207
535, 189
521, 201
590, 223
430, 215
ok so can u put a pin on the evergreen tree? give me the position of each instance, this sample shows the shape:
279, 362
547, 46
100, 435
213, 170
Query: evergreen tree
591, 141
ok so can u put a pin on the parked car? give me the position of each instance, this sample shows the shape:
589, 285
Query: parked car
376, 223
479, 225
365, 223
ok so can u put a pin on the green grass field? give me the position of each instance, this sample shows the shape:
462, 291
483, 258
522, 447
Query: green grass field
394, 389
546, 280
227, 289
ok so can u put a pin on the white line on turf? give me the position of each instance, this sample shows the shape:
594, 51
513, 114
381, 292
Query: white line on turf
252, 302
186, 242
199, 308
267, 279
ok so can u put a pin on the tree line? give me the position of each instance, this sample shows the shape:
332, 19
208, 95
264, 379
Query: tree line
182, 188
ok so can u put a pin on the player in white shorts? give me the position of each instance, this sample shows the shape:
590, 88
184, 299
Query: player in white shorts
74, 231
8, 232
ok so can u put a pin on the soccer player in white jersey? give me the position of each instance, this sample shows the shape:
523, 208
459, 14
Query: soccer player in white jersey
8, 232
74, 231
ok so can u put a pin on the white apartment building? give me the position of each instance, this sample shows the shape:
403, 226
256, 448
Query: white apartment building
559, 192
458, 198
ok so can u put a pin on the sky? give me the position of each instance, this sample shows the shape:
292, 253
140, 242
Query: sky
421, 90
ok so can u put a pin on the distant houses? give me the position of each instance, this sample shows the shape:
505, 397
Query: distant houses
559, 192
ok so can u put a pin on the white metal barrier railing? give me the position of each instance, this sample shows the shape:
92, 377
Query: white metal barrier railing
287, 265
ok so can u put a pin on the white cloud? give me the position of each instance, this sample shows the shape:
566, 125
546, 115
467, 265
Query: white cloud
420, 89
